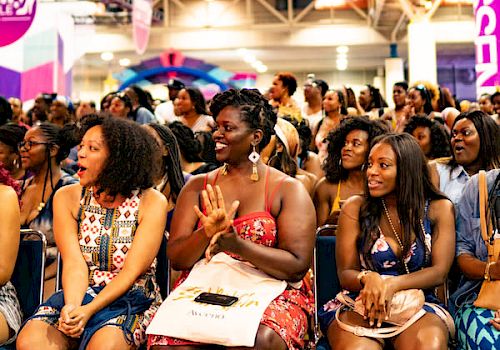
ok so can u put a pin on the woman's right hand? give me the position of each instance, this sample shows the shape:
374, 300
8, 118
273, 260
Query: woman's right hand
216, 218
376, 297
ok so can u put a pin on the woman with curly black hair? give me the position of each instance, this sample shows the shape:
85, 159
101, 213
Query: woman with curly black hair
475, 145
348, 147
430, 135
274, 224
108, 228
191, 108
43, 149
190, 149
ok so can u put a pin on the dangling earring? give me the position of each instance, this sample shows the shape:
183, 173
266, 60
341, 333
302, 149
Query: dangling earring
254, 158
224, 169
340, 163
16, 163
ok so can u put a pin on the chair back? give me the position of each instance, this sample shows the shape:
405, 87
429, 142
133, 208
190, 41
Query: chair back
326, 230
29, 271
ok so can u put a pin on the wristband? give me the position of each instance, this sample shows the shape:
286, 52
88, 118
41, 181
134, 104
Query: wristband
487, 270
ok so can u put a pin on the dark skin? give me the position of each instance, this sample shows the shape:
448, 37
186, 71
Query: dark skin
291, 207
376, 293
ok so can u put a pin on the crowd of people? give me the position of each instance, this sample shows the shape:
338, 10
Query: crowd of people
252, 175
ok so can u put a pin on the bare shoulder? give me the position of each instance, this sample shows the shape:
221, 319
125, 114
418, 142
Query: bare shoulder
439, 208
7, 194
69, 193
353, 204
151, 196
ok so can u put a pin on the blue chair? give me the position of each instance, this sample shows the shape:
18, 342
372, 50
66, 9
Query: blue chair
326, 282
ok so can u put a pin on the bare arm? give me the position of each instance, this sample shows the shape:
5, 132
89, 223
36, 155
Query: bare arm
322, 201
147, 240
75, 270
9, 232
434, 173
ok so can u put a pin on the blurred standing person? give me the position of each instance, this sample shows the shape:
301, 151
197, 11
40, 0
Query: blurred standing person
141, 112
60, 111
280, 94
372, 102
106, 101
191, 107
5, 111
41, 108
314, 92
397, 114
485, 104
164, 112
85, 108
18, 116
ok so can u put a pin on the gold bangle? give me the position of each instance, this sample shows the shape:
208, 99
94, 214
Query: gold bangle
487, 270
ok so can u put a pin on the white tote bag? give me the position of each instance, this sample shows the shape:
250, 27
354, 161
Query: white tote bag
181, 317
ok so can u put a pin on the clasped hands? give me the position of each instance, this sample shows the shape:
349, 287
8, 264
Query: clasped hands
376, 297
217, 222
73, 320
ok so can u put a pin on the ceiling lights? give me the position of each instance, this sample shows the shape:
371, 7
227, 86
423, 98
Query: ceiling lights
250, 58
107, 56
342, 61
329, 4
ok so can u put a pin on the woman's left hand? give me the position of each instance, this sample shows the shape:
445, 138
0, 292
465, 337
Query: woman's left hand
222, 241
495, 322
75, 325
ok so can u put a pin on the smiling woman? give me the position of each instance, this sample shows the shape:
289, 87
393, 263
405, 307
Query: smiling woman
108, 228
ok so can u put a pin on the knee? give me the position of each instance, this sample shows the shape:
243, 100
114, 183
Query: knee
27, 339
431, 339
267, 339
110, 343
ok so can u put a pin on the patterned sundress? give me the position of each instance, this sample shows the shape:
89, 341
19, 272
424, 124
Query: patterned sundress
105, 237
386, 262
288, 313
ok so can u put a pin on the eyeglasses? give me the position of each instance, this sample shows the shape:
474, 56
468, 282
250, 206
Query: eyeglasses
27, 145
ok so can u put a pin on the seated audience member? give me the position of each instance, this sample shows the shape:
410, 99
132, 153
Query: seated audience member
141, 112
60, 111
285, 155
283, 87
477, 328
85, 108
120, 106
312, 109
43, 149
401, 230
485, 104
430, 135
106, 101
18, 116
371, 101
10, 310
398, 115
419, 100
273, 228
164, 112
10, 136
108, 228
448, 115
335, 111
207, 142
475, 145
190, 149
191, 109
348, 148
308, 160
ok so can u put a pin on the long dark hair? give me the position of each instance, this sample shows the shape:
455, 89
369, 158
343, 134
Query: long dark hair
171, 161
426, 96
413, 189
440, 140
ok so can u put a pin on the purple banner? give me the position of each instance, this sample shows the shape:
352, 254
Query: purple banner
16, 17
142, 13
487, 13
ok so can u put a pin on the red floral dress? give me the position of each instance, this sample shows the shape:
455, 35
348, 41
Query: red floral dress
288, 314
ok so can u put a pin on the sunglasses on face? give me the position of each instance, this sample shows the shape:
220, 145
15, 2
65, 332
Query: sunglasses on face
27, 145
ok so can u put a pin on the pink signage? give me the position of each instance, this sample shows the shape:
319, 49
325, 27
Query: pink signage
487, 33
16, 17
142, 13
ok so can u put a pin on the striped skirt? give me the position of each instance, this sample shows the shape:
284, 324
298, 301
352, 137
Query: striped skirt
10, 309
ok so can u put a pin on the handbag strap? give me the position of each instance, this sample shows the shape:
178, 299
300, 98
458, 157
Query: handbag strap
483, 204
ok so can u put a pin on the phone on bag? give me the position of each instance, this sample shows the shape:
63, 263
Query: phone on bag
216, 299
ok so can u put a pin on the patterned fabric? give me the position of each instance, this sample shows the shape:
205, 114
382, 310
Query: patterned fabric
288, 314
385, 262
10, 309
105, 237
44, 220
474, 330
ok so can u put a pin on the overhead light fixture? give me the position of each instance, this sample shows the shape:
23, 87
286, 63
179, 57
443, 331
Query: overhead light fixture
342, 49
124, 62
329, 4
342, 63
107, 56
262, 68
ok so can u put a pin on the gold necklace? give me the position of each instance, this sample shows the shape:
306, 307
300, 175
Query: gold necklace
395, 234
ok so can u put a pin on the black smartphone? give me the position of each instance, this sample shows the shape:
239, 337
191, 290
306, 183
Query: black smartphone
216, 299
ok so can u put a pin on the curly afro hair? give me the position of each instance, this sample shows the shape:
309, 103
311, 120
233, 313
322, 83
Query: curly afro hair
440, 140
255, 110
134, 155
334, 172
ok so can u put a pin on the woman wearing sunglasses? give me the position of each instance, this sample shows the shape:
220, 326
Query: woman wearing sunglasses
43, 149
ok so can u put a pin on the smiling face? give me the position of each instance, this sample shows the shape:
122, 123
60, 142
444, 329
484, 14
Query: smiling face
465, 142
415, 101
382, 170
423, 136
355, 148
34, 153
93, 154
233, 138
